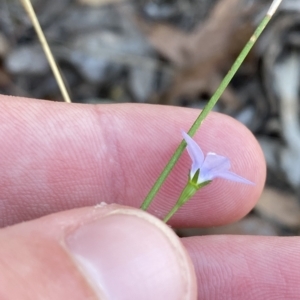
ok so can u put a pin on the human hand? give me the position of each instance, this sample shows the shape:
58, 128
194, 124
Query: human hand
57, 157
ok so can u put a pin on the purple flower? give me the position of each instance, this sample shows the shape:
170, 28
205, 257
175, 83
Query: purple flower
210, 167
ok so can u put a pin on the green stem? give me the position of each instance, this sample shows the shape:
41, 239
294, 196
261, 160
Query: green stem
171, 213
189, 191
212, 102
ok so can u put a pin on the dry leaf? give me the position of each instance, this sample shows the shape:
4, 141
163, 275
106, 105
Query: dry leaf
279, 207
251, 225
98, 2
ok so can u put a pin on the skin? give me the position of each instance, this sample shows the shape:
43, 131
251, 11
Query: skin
59, 160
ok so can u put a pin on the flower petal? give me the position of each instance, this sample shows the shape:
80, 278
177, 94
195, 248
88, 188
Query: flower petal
194, 151
215, 164
233, 177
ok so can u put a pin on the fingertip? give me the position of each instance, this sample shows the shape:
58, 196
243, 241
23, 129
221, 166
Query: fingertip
246, 267
102, 252
56, 152
129, 254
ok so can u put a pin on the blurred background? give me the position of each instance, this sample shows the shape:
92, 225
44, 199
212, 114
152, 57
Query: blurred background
173, 52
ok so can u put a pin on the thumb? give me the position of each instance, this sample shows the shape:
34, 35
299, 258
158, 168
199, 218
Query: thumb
103, 252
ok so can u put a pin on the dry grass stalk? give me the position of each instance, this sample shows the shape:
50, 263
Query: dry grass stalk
30, 11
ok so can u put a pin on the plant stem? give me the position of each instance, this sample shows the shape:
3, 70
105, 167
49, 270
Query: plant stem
189, 191
212, 102
171, 213
30, 11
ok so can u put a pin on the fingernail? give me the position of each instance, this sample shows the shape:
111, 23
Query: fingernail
132, 255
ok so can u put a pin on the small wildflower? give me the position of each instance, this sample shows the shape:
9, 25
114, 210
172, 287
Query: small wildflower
205, 169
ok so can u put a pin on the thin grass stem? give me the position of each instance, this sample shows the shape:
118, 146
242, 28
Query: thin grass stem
30, 11
212, 102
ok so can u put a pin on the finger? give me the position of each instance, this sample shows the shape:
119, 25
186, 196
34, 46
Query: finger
54, 152
108, 252
239, 267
